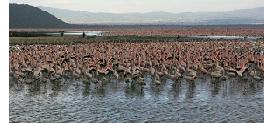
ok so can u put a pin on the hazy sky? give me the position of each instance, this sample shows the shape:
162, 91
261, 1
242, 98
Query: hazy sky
122, 6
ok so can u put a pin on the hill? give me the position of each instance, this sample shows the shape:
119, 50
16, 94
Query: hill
26, 16
243, 16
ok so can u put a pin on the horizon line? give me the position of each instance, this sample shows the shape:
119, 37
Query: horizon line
135, 12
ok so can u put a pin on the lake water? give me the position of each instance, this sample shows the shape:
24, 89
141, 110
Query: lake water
76, 33
101, 33
182, 101
229, 37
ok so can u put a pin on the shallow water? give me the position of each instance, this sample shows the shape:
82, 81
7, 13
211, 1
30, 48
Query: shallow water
76, 33
228, 37
182, 101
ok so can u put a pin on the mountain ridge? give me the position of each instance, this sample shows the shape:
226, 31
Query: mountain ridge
248, 16
26, 16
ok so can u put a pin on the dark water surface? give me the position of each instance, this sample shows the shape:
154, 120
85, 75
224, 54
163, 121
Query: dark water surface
200, 101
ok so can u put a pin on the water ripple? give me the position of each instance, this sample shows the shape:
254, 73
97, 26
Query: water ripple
182, 101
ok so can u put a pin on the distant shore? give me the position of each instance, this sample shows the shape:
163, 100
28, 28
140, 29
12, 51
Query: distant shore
160, 30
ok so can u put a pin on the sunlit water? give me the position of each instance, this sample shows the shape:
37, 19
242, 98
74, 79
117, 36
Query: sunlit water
76, 33
183, 101
228, 37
